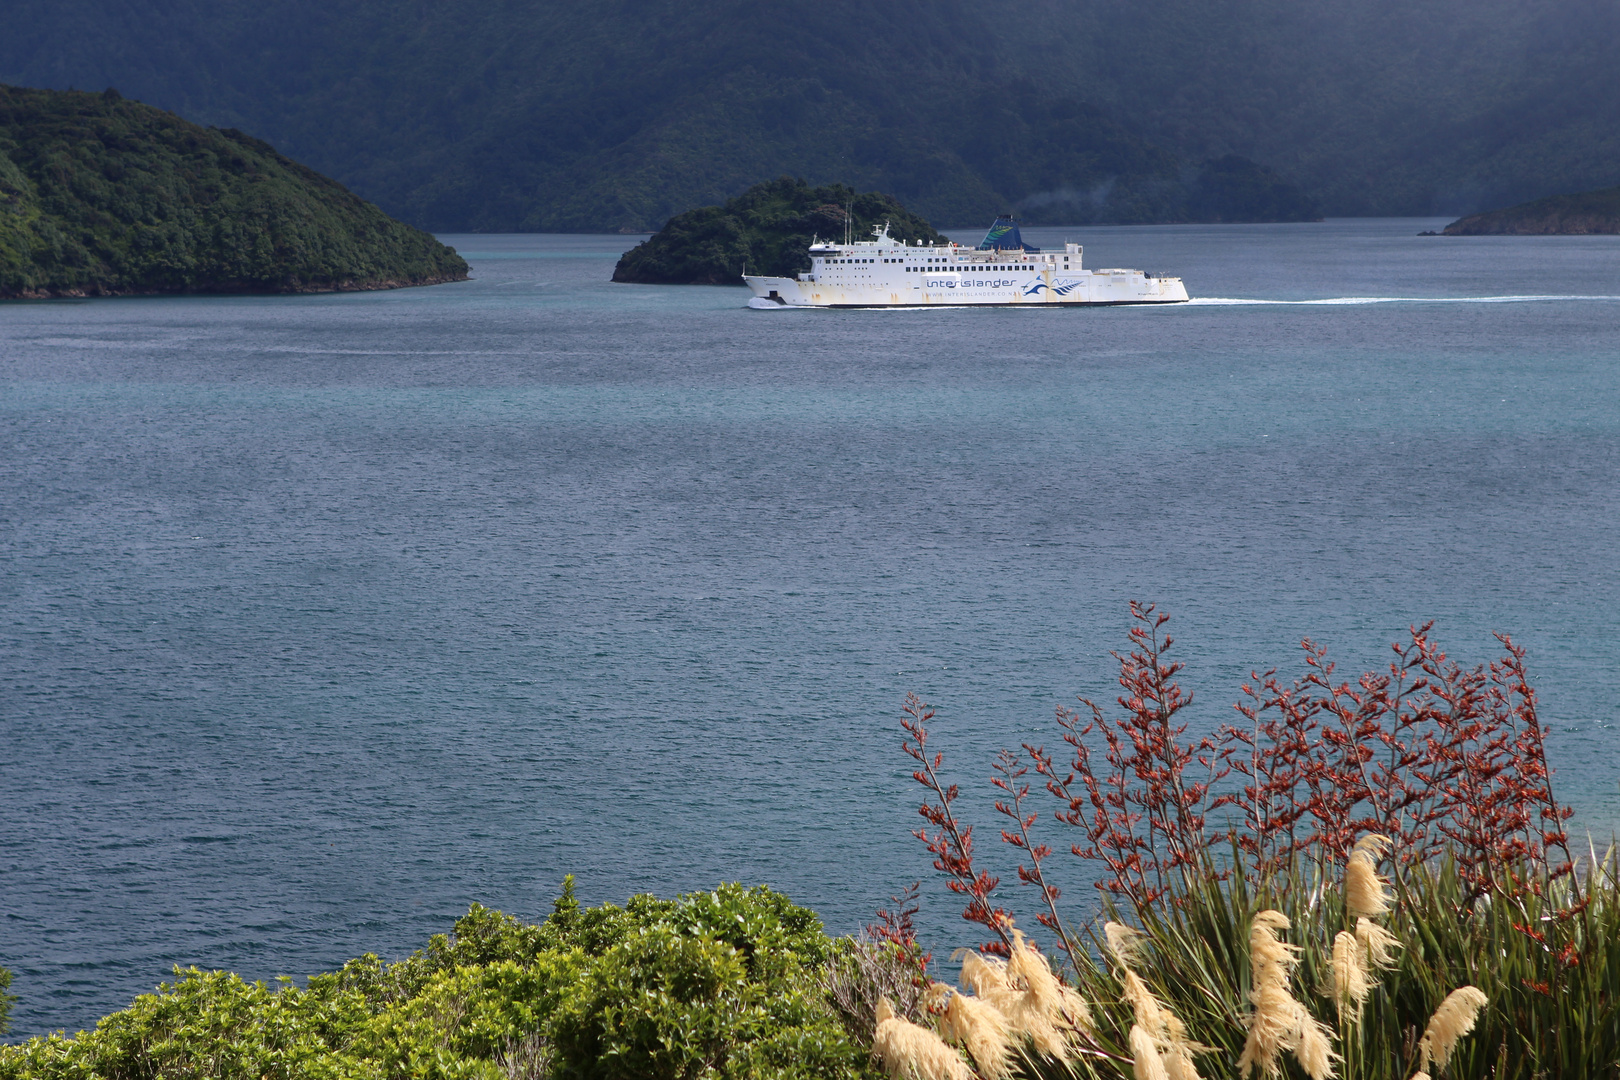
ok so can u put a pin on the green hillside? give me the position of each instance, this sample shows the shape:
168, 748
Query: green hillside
1581, 214
765, 230
536, 114
99, 196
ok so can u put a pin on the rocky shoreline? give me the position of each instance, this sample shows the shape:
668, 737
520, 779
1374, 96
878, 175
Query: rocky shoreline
97, 290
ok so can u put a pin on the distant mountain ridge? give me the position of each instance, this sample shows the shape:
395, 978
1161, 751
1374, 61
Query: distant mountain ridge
537, 114
102, 196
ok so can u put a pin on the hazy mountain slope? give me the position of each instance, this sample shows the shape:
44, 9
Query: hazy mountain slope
492, 114
1382, 106
541, 114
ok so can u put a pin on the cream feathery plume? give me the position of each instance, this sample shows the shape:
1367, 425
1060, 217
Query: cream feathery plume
1123, 941
1148, 1064
975, 1025
1314, 1046
1142, 1003
1454, 1018
1270, 958
983, 975
1420, 1075
1026, 1017
1165, 1030
1363, 888
1178, 1062
989, 980
1164, 1027
1076, 1010
1271, 1030
1279, 1022
1061, 1005
1151, 1013
1271, 1024
1377, 944
1350, 982
909, 1052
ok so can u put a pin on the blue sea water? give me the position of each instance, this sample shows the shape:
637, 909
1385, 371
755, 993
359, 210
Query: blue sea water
322, 617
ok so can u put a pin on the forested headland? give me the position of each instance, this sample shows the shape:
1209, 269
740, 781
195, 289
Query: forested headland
1581, 214
104, 196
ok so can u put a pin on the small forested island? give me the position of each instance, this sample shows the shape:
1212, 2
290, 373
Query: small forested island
1582, 214
766, 230
102, 196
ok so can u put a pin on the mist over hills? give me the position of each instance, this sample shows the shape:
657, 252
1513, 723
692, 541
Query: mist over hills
535, 114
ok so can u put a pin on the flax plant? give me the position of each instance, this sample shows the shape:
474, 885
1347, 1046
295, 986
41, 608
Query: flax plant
1487, 950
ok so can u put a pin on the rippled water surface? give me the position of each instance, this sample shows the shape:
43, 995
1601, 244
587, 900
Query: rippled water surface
321, 617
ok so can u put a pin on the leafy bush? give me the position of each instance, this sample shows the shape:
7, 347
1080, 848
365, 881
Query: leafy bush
719, 984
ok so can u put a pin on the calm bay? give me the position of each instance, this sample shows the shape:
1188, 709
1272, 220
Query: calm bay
322, 617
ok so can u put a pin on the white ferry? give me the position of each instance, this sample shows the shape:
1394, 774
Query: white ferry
885, 272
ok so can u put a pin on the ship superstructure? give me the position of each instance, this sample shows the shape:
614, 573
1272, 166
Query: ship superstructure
885, 272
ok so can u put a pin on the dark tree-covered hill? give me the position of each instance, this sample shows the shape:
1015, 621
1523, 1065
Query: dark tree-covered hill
1582, 214
765, 230
99, 196
540, 114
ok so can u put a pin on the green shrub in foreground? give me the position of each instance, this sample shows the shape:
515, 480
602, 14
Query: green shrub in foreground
6, 1000
720, 984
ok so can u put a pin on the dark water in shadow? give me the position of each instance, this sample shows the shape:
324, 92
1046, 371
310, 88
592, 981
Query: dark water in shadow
321, 617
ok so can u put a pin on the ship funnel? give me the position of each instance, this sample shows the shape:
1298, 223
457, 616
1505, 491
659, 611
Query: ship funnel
1004, 236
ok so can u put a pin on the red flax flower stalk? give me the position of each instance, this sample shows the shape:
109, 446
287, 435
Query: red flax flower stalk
1143, 817
1445, 760
1376, 732
1010, 773
1531, 755
1272, 753
951, 842
897, 924
896, 930
1428, 753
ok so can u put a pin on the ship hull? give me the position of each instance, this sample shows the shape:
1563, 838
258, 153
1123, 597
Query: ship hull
1083, 289
1001, 272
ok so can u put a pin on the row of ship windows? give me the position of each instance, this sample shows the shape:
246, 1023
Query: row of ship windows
1013, 266
969, 269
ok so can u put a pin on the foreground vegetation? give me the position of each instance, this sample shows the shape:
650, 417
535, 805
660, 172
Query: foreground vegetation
1270, 944
721, 984
102, 196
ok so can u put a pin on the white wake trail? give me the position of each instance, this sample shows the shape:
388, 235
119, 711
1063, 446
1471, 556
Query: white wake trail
1224, 301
